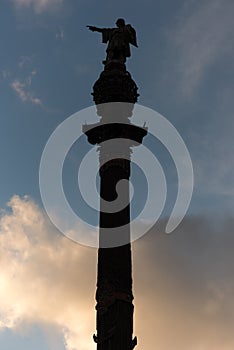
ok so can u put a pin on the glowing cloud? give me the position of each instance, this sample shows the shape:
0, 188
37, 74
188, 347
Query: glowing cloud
23, 91
42, 276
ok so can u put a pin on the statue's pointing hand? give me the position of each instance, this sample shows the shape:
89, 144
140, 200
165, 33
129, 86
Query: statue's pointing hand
92, 28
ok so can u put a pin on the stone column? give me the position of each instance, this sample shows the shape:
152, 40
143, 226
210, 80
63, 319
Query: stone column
114, 279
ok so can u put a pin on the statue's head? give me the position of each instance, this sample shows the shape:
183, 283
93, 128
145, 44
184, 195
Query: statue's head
120, 22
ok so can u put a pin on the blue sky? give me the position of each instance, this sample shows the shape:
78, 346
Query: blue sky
184, 70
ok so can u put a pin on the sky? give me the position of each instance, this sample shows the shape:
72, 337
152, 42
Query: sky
49, 61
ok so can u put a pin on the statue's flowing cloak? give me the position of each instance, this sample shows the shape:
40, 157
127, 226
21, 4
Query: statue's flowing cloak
119, 39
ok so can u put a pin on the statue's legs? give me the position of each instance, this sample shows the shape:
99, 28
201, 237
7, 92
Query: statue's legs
116, 55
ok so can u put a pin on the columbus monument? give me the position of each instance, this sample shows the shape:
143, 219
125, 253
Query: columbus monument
115, 94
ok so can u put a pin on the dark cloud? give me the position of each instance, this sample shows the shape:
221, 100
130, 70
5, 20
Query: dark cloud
184, 286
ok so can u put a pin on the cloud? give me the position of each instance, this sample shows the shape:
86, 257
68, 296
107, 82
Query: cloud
211, 149
19, 88
60, 34
184, 286
201, 35
43, 276
24, 61
23, 89
214, 167
5, 73
38, 6
183, 283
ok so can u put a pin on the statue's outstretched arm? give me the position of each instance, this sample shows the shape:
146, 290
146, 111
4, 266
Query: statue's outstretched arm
95, 29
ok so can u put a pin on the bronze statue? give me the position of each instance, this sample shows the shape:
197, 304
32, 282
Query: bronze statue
119, 40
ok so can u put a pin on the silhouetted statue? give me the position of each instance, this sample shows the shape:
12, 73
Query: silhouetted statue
119, 40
